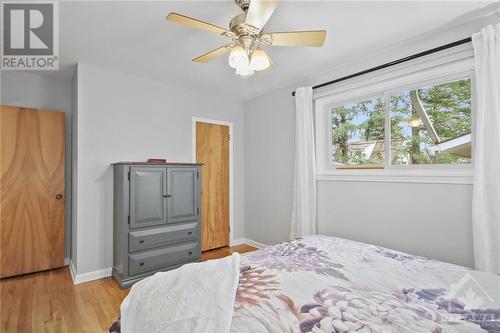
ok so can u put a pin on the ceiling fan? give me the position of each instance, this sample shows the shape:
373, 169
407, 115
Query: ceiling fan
248, 39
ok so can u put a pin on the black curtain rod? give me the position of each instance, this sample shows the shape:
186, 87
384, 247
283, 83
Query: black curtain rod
395, 62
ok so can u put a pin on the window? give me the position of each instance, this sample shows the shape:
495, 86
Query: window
358, 133
412, 122
427, 125
432, 124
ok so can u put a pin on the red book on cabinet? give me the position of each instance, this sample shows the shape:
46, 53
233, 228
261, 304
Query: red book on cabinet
157, 160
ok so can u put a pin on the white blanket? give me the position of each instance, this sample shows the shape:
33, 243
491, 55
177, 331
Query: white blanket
197, 297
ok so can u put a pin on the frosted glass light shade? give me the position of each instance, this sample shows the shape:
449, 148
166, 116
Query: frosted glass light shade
244, 70
260, 60
238, 57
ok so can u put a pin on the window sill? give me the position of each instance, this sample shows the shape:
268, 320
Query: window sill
423, 176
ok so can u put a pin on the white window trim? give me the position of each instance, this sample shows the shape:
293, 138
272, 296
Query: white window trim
453, 64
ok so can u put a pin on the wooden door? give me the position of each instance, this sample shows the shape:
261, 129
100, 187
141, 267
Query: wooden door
212, 149
31, 190
182, 188
148, 197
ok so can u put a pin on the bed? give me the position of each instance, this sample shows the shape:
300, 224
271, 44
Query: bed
324, 284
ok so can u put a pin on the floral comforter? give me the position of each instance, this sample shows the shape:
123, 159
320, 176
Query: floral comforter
325, 284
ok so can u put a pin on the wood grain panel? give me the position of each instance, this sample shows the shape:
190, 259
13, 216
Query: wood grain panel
49, 302
31, 175
212, 149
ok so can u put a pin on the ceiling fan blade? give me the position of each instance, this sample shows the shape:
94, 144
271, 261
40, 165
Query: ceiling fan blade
213, 54
259, 12
194, 23
298, 38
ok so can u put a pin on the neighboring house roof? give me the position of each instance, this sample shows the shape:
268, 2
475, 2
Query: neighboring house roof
368, 148
419, 107
460, 146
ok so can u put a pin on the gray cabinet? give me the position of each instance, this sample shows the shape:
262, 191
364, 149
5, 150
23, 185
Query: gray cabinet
148, 201
156, 218
182, 196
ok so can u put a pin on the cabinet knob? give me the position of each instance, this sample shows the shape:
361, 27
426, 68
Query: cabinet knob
141, 264
59, 196
141, 241
166, 195
190, 233
190, 253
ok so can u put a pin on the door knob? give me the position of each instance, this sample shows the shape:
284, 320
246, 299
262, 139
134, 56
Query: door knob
59, 196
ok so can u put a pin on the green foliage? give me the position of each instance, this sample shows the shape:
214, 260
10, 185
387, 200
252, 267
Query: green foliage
447, 105
374, 127
343, 129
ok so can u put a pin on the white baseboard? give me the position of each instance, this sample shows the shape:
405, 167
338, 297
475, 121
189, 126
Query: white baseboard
90, 276
247, 241
255, 244
72, 270
237, 241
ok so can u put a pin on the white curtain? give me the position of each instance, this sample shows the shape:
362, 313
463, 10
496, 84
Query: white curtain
304, 189
486, 187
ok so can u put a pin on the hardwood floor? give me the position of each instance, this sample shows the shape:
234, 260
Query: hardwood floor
49, 302
226, 251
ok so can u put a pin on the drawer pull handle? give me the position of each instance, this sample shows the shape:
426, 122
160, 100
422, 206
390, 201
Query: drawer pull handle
141, 241
190, 253
141, 264
190, 233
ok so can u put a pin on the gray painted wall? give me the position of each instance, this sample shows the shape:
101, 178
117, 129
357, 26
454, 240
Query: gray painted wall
127, 118
44, 92
431, 220
269, 154
74, 165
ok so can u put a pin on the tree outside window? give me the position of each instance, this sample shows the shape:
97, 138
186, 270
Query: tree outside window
429, 125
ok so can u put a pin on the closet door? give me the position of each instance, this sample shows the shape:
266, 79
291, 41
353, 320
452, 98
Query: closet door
148, 197
31, 190
212, 150
182, 194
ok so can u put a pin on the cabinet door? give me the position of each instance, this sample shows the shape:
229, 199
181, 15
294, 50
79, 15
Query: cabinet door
148, 204
183, 189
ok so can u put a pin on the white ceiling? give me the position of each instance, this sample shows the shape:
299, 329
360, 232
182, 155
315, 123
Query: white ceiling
133, 37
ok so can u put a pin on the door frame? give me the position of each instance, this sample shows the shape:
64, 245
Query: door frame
231, 164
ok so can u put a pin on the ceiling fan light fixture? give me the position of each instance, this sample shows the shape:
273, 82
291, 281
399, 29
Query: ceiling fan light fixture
247, 36
238, 57
260, 60
244, 70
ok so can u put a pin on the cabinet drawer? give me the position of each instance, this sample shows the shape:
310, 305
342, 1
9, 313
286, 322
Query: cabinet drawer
157, 259
151, 238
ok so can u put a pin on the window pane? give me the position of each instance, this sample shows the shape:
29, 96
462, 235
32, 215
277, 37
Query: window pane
358, 133
432, 125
